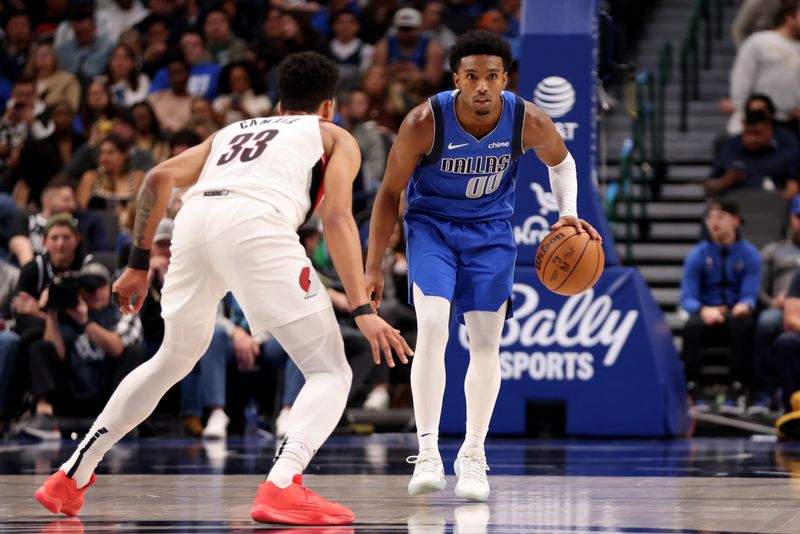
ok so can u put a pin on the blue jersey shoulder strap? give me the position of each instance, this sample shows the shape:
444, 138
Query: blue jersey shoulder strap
519, 123
438, 133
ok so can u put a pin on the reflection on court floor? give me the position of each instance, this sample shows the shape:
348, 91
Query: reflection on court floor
699, 485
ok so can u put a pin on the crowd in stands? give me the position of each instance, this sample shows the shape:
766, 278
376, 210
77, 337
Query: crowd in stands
93, 94
742, 303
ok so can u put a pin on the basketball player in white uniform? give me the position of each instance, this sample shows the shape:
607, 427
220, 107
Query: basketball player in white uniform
253, 184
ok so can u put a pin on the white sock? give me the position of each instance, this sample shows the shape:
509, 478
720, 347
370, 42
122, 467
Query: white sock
94, 446
292, 459
428, 440
473, 438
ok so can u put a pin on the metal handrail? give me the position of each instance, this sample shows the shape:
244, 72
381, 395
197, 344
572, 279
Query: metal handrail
707, 15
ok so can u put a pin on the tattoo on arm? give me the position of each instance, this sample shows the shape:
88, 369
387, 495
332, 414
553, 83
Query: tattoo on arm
144, 205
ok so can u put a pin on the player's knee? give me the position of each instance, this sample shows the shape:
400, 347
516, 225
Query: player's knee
434, 328
484, 348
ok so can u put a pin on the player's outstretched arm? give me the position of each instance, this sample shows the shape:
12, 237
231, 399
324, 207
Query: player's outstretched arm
341, 236
413, 140
151, 205
541, 135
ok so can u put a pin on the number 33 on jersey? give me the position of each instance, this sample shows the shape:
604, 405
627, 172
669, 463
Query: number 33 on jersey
277, 160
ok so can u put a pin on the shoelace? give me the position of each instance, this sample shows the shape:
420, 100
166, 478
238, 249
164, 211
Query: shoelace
474, 467
423, 459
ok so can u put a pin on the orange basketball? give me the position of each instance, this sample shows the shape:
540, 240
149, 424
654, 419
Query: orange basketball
567, 262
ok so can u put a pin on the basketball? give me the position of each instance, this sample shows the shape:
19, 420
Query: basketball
567, 262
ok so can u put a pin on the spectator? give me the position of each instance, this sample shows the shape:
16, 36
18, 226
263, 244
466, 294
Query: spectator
52, 83
119, 16
202, 74
223, 45
241, 94
9, 340
167, 10
272, 45
242, 15
408, 52
87, 349
87, 53
114, 183
121, 125
780, 261
41, 160
352, 54
173, 106
755, 159
26, 113
300, 35
62, 241
148, 137
96, 107
25, 118
353, 109
512, 10
155, 42
495, 21
27, 232
785, 357
432, 16
387, 107
128, 86
719, 288
18, 40
322, 21
753, 16
768, 62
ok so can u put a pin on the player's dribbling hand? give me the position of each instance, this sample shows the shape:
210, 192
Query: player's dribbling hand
383, 337
579, 224
374, 280
129, 290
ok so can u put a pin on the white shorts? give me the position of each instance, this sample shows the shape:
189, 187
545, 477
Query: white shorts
238, 244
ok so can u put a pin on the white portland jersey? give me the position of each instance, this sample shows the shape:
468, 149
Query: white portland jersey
277, 160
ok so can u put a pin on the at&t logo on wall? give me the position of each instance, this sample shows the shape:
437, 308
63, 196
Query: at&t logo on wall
556, 96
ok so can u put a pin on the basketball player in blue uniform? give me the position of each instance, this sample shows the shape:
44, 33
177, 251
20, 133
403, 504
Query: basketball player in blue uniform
457, 157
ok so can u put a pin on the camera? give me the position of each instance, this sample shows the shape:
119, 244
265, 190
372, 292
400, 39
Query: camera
64, 291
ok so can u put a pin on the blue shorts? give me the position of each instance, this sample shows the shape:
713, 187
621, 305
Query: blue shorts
469, 263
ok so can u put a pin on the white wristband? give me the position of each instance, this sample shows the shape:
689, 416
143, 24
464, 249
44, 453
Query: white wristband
564, 184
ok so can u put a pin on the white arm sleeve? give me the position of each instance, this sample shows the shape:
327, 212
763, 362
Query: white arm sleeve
564, 184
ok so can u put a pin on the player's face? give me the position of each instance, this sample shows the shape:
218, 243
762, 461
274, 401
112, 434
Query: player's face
481, 79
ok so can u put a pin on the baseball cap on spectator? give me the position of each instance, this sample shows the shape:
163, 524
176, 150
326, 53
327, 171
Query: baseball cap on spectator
795, 208
94, 275
61, 219
407, 17
164, 230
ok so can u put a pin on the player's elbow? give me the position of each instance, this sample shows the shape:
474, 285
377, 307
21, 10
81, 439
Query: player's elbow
336, 221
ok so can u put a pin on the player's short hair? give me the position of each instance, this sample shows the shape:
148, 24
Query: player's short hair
479, 43
305, 80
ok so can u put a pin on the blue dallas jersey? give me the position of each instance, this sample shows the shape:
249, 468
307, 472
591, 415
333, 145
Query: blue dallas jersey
464, 179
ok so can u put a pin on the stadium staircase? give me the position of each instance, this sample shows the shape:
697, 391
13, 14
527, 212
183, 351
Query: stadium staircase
655, 189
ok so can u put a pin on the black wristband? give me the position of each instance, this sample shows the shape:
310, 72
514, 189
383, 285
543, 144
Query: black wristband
364, 309
139, 258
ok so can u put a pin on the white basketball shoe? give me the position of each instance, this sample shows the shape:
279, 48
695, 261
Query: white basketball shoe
471, 471
428, 473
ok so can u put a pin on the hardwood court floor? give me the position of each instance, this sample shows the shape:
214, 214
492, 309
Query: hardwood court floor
700, 485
